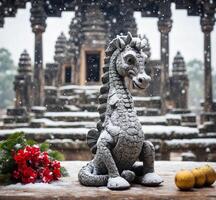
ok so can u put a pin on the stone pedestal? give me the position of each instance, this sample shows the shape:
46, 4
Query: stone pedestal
70, 188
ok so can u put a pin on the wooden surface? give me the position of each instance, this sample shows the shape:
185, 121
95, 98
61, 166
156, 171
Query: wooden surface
69, 187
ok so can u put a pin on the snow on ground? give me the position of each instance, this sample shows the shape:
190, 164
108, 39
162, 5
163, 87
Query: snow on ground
72, 107
199, 141
40, 186
48, 122
139, 98
48, 87
153, 119
71, 114
168, 130
41, 108
154, 131
173, 116
80, 87
46, 131
69, 97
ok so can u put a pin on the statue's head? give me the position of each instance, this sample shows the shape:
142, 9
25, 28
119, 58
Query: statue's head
131, 60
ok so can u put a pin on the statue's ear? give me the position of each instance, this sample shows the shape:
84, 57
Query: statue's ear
120, 44
128, 38
144, 42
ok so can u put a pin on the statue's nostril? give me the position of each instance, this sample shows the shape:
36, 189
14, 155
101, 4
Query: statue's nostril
140, 80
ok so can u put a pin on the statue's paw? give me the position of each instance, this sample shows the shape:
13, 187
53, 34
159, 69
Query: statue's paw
128, 175
117, 183
150, 179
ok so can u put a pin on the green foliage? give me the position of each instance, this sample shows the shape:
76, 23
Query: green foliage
7, 71
13, 143
64, 172
44, 146
56, 155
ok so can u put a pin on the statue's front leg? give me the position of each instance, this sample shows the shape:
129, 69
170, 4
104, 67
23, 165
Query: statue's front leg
147, 156
104, 146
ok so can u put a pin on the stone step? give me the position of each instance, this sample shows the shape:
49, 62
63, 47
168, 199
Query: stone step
188, 118
14, 125
47, 123
69, 90
11, 111
72, 116
189, 124
198, 146
142, 111
180, 111
15, 119
151, 132
94, 117
149, 102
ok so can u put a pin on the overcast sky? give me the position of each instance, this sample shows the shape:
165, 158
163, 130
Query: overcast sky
185, 36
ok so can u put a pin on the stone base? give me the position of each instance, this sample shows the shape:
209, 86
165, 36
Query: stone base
70, 188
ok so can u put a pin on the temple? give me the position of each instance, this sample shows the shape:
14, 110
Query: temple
60, 93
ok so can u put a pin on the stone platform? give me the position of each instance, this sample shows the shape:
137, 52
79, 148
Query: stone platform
69, 187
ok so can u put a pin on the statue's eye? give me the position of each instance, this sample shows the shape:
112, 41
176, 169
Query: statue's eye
130, 60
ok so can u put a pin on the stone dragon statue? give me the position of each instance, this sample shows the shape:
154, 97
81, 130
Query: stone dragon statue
119, 140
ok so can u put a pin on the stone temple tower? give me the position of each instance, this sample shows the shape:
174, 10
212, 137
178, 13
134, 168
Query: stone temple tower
179, 83
93, 43
59, 57
23, 84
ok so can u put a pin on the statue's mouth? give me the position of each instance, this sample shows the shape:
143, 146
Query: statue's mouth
138, 86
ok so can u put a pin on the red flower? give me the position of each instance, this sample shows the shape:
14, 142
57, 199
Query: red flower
44, 159
47, 175
55, 164
29, 175
21, 156
57, 173
33, 165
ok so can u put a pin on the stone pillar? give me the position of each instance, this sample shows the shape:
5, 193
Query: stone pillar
164, 26
207, 24
38, 23
75, 37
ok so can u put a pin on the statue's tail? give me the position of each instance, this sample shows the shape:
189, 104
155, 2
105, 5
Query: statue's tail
87, 178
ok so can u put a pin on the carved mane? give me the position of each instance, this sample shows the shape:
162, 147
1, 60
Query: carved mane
120, 42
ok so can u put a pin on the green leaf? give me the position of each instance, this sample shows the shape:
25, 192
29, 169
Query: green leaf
15, 139
31, 142
64, 172
56, 155
44, 146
